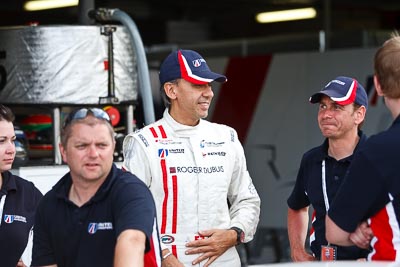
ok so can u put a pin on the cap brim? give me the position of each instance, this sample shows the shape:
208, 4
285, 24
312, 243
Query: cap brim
316, 98
205, 77
216, 77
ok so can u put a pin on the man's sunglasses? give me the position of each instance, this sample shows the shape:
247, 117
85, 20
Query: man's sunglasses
83, 113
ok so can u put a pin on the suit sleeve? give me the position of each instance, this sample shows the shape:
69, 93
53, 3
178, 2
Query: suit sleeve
243, 196
136, 160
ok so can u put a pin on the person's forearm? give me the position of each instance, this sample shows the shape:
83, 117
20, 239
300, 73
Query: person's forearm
297, 228
336, 235
129, 250
133, 258
297, 231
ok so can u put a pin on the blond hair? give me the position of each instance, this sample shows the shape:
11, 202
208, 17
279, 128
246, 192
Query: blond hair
387, 66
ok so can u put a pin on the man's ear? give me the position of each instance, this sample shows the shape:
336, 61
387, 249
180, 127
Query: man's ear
377, 86
63, 152
360, 114
170, 90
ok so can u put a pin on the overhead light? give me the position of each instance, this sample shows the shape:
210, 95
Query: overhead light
286, 15
36, 5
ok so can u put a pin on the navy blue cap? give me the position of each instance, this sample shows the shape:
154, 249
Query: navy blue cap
344, 91
188, 65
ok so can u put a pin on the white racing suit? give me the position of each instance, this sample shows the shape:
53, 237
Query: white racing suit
199, 180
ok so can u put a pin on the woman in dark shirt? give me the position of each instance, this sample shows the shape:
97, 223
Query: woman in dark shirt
18, 198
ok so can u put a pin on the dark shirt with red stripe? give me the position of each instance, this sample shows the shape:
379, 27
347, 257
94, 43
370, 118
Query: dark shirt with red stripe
68, 235
308, 191
372, 191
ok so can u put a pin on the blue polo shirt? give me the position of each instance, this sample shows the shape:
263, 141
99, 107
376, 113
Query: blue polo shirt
308, 191
372, 191
68, 235
21, 201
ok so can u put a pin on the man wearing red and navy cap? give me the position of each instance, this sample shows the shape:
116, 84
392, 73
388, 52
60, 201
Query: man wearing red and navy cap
342, 106
343, 91
372, 188
206, 201
190, 66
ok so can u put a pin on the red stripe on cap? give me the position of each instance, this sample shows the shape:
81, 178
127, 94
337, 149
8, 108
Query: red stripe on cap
350, 96
186, 74
237, 100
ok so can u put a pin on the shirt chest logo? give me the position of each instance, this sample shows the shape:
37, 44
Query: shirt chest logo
204, 144
11, 218
163, 152
94, 227
215, 153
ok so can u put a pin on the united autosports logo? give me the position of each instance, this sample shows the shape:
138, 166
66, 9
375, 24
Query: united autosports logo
162, 153
197, 62
8, 218
176, 150
94, 227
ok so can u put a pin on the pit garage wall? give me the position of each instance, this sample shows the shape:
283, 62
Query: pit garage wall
266, 100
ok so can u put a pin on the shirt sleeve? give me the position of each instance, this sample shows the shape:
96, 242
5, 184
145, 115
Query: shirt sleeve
134, 208
298, 199
359, 196
243, 196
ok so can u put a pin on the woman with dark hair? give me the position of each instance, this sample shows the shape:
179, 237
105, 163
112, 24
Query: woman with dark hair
18, 198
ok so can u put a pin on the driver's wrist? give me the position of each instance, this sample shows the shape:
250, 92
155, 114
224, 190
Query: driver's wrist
165, 253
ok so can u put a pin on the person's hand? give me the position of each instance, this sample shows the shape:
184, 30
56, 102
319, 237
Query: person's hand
170, 261
301, 255
215, 244
362, 236
20, 263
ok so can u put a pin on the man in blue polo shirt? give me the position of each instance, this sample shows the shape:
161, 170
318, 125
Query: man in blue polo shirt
372, 187
342, 107
96, 215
